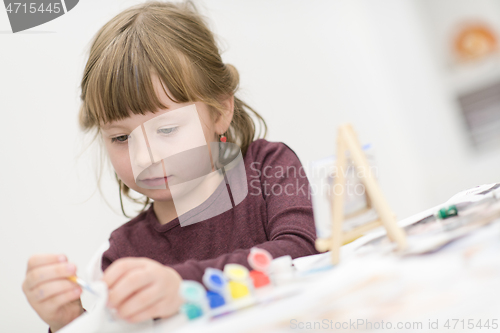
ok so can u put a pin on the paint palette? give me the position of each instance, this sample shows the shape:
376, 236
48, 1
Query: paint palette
233, 288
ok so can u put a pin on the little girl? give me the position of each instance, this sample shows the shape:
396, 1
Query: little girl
149, 62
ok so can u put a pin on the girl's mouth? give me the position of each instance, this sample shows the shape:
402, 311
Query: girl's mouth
153, 182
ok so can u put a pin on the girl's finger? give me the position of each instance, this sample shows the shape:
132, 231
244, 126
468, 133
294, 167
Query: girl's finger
140, 301
119, 268
161, 309
45, 273
52, 304
50, 289
128, 285
148, 313
45, 259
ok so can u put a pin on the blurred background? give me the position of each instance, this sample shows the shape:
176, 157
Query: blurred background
418, 79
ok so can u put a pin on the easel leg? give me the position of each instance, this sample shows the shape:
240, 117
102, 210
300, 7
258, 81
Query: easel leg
377, 198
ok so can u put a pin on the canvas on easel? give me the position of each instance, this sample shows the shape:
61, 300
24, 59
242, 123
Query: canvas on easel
349, 150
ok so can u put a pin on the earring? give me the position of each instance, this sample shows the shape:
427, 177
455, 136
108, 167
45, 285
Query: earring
223, 138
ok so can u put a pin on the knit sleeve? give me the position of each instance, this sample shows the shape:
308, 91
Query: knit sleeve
109, 255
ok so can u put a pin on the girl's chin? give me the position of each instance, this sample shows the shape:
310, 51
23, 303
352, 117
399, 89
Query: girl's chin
157, 195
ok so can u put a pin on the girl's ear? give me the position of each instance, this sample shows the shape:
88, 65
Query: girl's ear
224, 120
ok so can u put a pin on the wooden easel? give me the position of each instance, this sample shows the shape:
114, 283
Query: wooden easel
347, 141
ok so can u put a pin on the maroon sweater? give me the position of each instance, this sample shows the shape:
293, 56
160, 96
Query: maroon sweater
276, 215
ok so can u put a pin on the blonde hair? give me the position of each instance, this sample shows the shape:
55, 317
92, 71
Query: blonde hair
172, 41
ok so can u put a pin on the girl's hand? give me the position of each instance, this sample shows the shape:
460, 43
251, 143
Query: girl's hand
141, 288
55, 298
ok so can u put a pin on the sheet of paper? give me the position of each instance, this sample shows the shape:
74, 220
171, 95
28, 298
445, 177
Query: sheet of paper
100, 319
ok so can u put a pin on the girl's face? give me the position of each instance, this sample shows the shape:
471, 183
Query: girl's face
115, 135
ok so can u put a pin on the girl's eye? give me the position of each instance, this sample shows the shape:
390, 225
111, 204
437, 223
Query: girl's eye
120, 139
167, 131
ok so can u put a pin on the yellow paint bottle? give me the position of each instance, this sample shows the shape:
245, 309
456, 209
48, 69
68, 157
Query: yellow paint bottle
238, 289
239, 280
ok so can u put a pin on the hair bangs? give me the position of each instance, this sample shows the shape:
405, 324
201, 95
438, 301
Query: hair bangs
121, 82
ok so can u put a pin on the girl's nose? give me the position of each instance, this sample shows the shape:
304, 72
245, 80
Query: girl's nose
143, 158
139, 151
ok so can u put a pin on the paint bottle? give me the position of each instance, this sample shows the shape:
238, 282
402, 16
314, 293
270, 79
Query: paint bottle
195, 297
239, 280
260, 260
217, 284
282, 270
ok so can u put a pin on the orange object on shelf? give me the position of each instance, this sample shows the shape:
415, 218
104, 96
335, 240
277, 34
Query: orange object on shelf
474, 41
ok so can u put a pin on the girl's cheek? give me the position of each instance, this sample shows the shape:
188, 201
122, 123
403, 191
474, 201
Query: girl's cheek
125, 169
122, 166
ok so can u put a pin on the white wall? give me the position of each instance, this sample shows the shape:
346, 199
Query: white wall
306, 66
